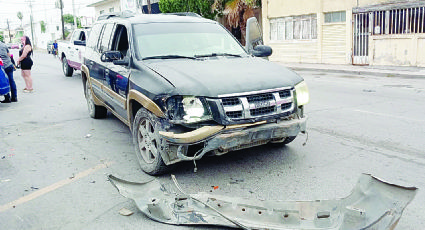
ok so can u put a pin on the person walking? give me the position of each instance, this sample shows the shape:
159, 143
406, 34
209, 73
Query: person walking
26, 63
8, 69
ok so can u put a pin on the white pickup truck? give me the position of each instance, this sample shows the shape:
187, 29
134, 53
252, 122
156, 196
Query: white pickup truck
71, 53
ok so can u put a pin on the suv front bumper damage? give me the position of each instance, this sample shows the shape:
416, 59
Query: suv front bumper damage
222, 139
372, 204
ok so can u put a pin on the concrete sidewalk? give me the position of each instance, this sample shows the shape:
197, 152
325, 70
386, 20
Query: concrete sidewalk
386, 71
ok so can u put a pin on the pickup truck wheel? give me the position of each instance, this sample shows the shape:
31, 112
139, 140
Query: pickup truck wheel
148, 144
67, 70
284, 141
95, 111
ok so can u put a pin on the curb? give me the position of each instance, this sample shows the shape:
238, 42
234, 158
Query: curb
361, 72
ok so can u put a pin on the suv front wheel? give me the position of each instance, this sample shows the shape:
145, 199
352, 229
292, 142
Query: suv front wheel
148, 143
95, 111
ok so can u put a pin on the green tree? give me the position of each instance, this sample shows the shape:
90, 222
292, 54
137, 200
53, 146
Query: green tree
69, 18
20, 16
1, 38
201, 7
43, 26
237, 12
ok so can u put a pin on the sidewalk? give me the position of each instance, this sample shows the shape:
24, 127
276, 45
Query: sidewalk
385, 71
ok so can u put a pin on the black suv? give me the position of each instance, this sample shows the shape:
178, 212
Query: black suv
186, 87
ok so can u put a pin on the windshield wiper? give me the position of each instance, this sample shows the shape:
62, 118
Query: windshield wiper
168, 57
218, 54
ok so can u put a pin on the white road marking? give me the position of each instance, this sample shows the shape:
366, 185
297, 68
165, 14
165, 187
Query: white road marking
52, 187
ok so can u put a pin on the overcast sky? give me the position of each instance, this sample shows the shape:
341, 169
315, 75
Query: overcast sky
42, 9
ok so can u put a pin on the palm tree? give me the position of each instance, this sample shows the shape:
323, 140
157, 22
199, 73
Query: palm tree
237, 13
20, 16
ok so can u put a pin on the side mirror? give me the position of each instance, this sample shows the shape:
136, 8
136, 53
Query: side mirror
125, 61
110, 56
262, 51
253, 34
80, 43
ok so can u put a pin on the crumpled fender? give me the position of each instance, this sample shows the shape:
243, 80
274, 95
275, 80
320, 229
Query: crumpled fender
372, 204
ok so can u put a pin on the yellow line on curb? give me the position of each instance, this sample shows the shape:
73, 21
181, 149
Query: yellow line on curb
52, 187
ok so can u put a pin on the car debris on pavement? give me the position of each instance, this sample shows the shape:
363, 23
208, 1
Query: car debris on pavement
372, 204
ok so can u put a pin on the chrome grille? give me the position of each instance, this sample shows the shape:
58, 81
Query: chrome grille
258, 104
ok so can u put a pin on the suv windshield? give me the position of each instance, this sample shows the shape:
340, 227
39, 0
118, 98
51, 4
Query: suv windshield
156, 40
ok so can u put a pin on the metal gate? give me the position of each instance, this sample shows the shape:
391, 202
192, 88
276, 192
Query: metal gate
361, 39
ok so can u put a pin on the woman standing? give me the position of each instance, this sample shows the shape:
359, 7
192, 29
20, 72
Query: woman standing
26, 63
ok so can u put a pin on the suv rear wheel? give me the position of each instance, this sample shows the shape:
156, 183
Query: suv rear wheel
95, 111
148, 143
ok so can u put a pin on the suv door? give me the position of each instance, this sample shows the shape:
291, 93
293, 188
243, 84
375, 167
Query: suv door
98, 68
116, 76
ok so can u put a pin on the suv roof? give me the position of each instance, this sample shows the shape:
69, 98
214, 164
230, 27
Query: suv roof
151, 18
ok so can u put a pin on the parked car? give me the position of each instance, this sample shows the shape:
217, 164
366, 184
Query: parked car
49, 47
71, 52
187, 88
14, 46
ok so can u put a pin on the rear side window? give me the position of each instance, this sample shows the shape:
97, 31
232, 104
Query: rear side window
94, 36
106, 36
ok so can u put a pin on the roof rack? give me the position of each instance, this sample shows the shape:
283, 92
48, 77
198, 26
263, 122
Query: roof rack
191, 14
122, 14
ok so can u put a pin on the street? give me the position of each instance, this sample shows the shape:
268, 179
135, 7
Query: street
55, 159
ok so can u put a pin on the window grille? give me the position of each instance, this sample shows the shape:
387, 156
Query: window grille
302, 27
399, 21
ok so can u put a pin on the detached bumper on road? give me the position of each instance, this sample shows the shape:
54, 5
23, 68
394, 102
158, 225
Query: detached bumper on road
221, 139
373, 204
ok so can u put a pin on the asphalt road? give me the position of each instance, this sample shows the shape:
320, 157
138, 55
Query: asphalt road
54, 159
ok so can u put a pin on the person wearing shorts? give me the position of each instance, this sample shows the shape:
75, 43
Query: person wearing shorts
26, 63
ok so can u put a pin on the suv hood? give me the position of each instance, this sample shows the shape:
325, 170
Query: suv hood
215, 76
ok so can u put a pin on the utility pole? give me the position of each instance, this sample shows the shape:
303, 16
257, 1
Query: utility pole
73, 14
149, 7
8, 28
32, 29
59, 4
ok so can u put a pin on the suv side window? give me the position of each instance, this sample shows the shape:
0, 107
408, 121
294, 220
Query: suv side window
106, 37
94, 38
120, 41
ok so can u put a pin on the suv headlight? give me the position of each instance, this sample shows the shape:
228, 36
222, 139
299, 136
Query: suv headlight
302, 93
188, 109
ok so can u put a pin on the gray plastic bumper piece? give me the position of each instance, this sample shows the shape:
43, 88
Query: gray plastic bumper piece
372, 204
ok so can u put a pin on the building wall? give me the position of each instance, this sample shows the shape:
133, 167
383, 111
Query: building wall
334, 41
105, 7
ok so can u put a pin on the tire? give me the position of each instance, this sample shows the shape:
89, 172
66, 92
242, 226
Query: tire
67, 70
284, 141
95, 111
148, 143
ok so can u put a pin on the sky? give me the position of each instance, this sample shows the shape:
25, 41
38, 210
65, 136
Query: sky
42, 10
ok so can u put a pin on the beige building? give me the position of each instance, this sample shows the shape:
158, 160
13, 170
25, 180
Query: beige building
106, 6
363, 32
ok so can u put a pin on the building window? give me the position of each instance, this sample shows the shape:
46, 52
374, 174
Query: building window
111, 9
399, 21
57, 28
333, 17
302, 27
102, 11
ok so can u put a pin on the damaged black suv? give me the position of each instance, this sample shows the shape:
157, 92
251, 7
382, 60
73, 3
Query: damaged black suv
187, 88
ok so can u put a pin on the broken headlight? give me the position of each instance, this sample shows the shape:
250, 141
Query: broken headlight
188, 109
302, 93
